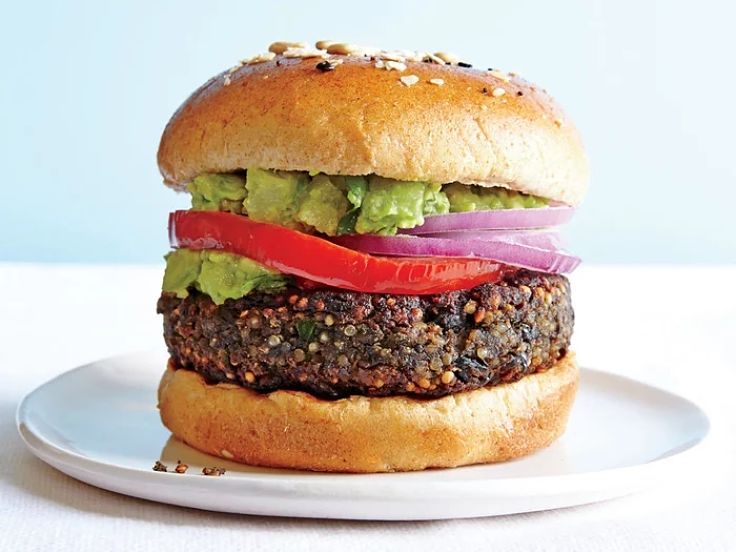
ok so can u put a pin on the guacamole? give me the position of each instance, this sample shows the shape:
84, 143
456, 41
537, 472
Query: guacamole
338, 205
220, 275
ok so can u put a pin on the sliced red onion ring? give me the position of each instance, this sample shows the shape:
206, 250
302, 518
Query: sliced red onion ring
507, 250
494, 220
542, 239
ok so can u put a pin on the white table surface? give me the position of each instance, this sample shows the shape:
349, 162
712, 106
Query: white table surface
671, 326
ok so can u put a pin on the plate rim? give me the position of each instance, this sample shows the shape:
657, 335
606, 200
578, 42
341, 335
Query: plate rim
650, 472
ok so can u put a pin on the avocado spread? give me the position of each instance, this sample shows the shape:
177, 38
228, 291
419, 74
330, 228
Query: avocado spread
389, 205
335, 205
477, 198
218, 192
220, 275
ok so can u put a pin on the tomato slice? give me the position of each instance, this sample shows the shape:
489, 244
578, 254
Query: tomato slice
321, 261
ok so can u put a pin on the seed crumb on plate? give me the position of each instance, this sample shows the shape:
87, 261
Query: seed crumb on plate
214, 471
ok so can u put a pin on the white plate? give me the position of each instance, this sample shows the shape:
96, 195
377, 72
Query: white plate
99, 424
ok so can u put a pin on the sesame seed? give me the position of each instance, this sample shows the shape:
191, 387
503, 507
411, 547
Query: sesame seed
391, 56
395, 65
380, 64
409, 80
303, 53
463, 64
227, 454
412, 55
447, 57
351, 50
498, 92
558, 122
281, 47
499, 75
226, 82
438, 82
431, 58
260, 58
250, 377
323, 44
519, 93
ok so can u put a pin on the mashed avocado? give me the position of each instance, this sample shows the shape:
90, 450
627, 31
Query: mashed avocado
218, 192
357, 187
274, 196
323, 204
476, 198
337, 205
219, 275
389, 205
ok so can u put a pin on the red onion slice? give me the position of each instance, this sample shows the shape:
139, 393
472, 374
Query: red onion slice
542, 239
494, 220
545, 256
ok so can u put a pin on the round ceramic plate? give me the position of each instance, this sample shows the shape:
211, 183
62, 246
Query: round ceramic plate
99, 424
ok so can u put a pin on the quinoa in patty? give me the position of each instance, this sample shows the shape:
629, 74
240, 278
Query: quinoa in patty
335, 343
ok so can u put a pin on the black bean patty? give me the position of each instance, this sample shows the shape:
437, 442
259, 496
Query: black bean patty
336, 343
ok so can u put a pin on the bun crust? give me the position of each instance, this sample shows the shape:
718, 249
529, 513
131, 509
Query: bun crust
356, 119
293, 429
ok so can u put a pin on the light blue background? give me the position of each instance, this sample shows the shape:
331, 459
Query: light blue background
87, 89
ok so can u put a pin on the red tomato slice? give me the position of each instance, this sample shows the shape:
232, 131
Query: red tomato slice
319, 260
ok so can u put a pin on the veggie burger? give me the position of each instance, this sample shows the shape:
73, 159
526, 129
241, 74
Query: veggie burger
370, 276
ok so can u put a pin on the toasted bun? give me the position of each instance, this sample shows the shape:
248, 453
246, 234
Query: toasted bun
293, 429
479, 127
